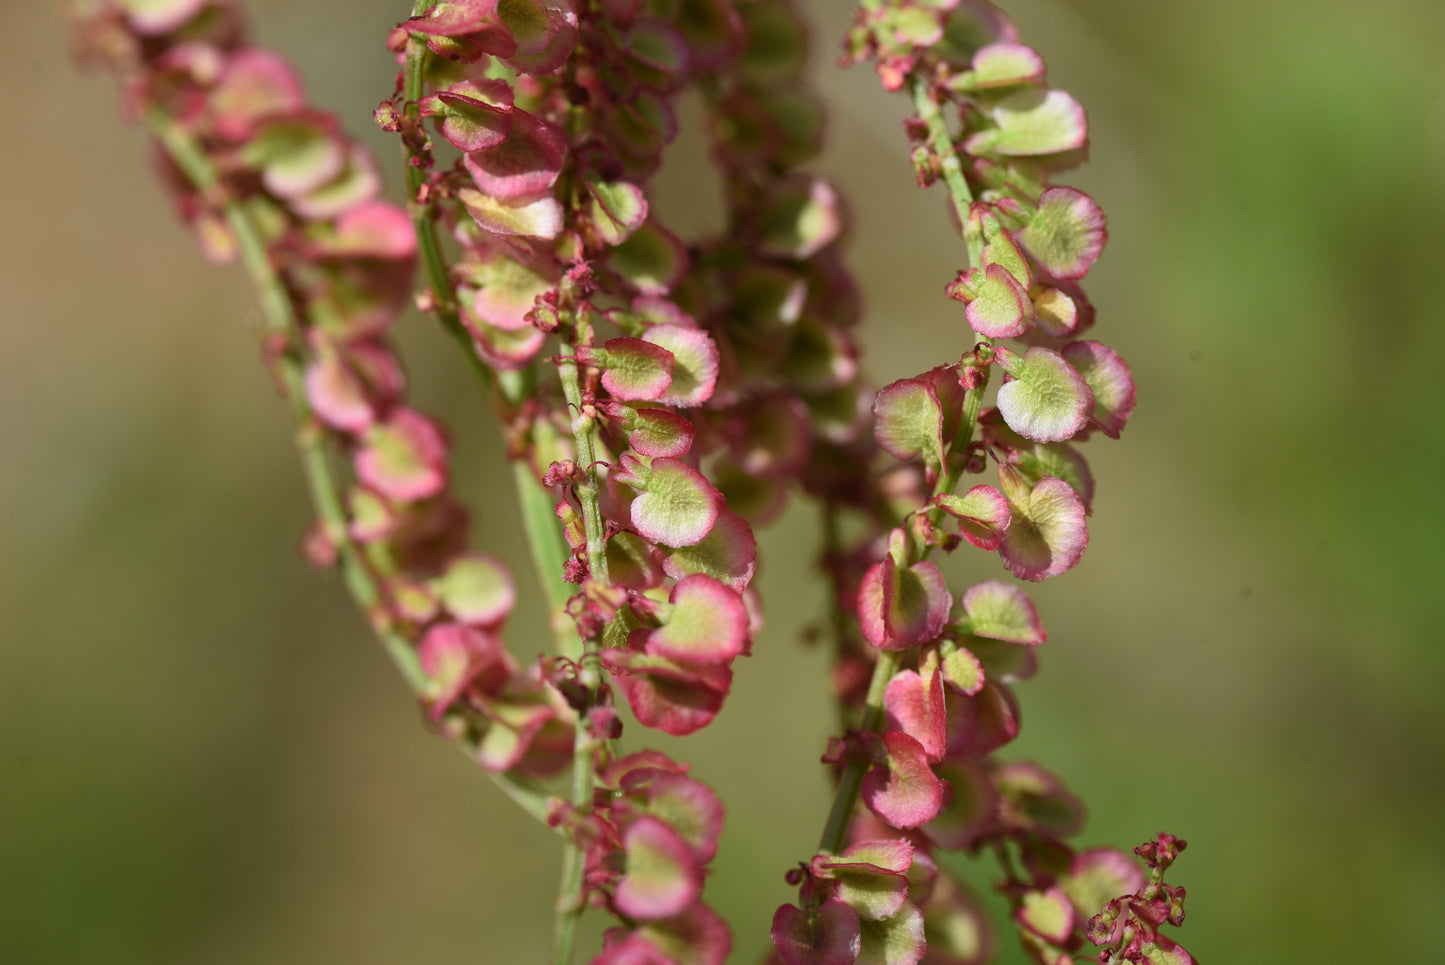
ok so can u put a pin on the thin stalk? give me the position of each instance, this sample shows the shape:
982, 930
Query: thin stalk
549, 551
543, 538
569, 906
940, 142
281, 321
846, 798
569, 890
838, 620
549, 555
1124, 939
841, 813
963, 436
423, 214
583, 427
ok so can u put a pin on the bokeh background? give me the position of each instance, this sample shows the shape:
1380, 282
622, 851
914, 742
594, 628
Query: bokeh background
204, 758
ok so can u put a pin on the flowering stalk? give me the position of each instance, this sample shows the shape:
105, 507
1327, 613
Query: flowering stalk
939, 153
199, 100
546, 204
569, 896
282, 327
921, 758
544, 542
661, 397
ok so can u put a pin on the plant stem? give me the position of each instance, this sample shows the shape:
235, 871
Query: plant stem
548, 554
543, 538
423, 215
569, 890
889, 661
1125, 938
569, 906
940, 142
549, 551
583, 427
963, 435
838, 618
841, 813
281, 321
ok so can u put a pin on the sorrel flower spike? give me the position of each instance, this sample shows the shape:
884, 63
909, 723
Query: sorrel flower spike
549, 207
558, 113
939, 701
267, 180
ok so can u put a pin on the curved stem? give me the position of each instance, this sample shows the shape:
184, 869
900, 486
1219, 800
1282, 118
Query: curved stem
282, 322
423, 215
940, 142
549, 555
548, 551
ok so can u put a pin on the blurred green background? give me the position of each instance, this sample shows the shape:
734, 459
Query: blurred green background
205, 759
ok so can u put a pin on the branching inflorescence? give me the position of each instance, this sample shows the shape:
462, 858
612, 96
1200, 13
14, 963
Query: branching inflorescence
659, 397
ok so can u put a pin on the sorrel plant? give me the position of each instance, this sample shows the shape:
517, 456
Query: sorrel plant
662, 396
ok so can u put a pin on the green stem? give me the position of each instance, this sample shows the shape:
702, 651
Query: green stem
583, 426
1125, 938
889, 661
282, 322
569, 905
963, 436
838, 619
940, 142
1156, 879
423, 214
841, 813
548, 551
526, 793
549, 555
569, 890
